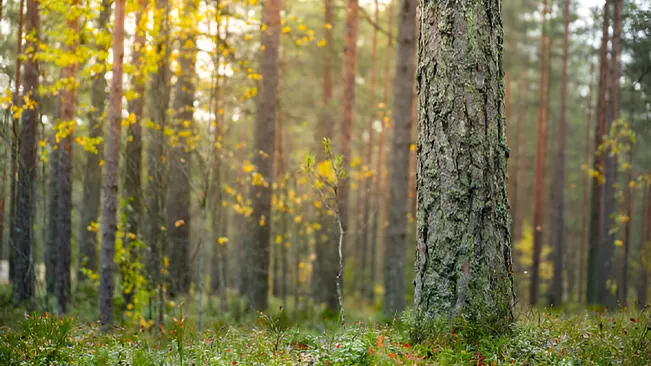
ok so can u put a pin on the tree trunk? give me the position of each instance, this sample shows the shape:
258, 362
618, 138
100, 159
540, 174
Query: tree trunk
53, 206
112, 153
463, 260
265, 136
178, 195
326, 248
596, 279
349, 74
540, 157
93, 171
586, 189
396, 235
377, 226
25, 198
556, 295
629, 205
643, 254
15, 141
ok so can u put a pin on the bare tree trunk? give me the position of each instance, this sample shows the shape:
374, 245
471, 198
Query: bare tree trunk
24, 240
178, 195
53, 206
265, 136
396, 235
540, 156
349, 74
463, 259
520, 158
64, 176
15, 141
109, 217
586, 189
643, 254
556, 295
629, 205
596, 279
159, 98
92, 171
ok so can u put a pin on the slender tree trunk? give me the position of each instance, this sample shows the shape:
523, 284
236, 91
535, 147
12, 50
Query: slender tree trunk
159, 98
629, 205
326, 250
366, 288
596, 278
540, 157
265, 136
15, 141
25, 198
463, 259
520, 156
93, 171
348, 103
586, 189
53, 205
64, 176
3, 193
556, 295
606, 241
109, 217
178, 195
377, 227
396, 235
643, 254
509, 137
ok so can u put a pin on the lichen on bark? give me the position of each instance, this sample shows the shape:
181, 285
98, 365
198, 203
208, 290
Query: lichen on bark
463, 257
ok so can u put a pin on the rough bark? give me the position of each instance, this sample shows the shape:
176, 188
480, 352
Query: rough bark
396, 234
463, 258
265, 139
23, 285
540, 158
586, 190
156, 194
112, 165
178, 195
92, 170
595, 282
556, 294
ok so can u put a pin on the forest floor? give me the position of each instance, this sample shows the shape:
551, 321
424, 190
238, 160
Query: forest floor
537, 338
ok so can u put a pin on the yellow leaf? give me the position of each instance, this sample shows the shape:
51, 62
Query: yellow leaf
298, 219
279, 239
412, 147
179, 223
222, 240
262, 220
101, 162
619, 243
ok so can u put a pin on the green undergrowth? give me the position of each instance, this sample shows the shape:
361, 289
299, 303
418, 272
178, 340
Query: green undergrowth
535, 339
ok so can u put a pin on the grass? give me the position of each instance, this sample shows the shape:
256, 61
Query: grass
537, 338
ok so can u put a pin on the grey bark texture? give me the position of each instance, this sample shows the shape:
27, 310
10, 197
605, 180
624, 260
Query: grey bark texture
264, 147
463, 257
396, 235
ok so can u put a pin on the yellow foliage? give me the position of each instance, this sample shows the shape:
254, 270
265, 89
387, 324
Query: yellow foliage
179, 223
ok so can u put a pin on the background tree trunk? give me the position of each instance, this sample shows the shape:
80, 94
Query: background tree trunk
265, 138
25, 197
396, 235
109, 217
463, 259
93, 171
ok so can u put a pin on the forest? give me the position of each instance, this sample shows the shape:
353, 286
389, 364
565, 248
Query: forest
322, 182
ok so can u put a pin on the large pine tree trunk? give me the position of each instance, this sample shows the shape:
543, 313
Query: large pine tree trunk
396, 235
265, 139
596, 277
463, 258
92, 170
178, 195
556, 294
159, 97
112, 153
540, 162
64, 177
25, 197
